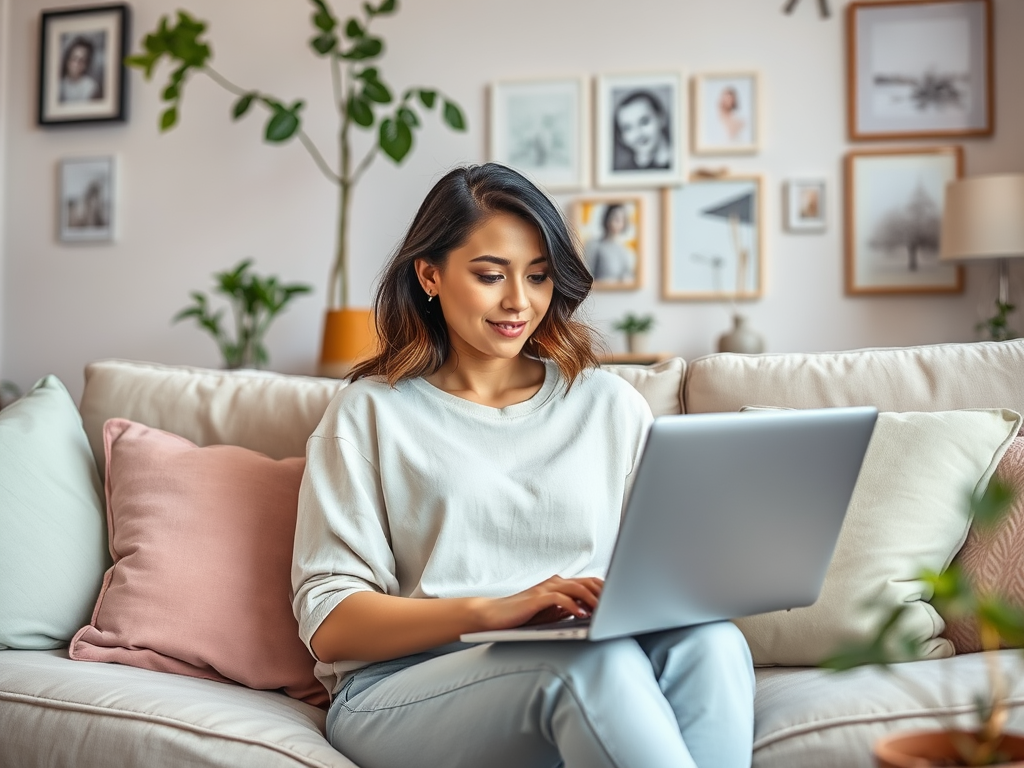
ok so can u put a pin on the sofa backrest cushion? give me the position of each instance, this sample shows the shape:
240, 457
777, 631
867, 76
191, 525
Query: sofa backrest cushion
272, 413
929, 378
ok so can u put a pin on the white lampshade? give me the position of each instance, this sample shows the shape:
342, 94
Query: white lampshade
984, 218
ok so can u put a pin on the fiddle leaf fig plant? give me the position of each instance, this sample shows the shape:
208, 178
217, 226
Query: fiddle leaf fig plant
362, 97
255, 301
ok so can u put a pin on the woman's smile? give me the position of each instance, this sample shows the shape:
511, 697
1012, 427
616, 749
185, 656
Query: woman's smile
511, 330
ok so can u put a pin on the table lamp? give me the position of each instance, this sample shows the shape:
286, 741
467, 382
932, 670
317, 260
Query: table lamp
984, 219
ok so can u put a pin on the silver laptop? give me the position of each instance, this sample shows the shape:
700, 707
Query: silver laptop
731, 514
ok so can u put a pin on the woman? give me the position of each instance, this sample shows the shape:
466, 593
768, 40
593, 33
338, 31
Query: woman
643, 140
607, 258
76, 80
471, 478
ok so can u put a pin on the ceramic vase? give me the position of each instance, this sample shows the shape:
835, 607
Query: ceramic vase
636, 343
924, 749
349, 337
742, 338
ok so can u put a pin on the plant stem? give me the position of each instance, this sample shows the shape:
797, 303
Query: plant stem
338, 294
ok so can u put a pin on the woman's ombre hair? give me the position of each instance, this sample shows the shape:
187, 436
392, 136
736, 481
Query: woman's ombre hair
413, 335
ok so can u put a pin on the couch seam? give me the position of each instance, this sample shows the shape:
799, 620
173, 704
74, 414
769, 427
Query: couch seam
170, 722
839, 722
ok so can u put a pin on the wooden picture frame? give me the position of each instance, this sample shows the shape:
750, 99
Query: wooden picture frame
726, 113
86, 199
611, 229
542, 128
640, 130
713, 239
892, 220
806, 205
82, 75
942, 86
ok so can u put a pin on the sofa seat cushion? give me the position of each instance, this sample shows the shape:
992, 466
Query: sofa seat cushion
808, 717
54, 711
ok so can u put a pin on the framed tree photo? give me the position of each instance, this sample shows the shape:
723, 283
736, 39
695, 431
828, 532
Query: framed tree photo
640, 130
893, 213
81, 65
713, 239
542, 128
939, 86
610, 229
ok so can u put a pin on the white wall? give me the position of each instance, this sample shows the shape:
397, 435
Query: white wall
4, 6
198, 199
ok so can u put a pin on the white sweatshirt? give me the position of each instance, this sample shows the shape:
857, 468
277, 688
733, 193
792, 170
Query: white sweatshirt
414, 492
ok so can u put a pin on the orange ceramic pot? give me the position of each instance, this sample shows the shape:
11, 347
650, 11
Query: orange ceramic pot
926, 749
349, 336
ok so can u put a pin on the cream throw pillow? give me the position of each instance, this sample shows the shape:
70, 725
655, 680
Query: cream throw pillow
908, 512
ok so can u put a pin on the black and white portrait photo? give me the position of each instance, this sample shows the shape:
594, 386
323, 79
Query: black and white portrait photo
86, 200
541, 128
640, 130
81, 55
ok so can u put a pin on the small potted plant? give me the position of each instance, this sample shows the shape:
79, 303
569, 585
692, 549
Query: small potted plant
255, 301
636, 328
999, 624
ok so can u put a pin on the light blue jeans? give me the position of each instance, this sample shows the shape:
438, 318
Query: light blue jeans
673, 699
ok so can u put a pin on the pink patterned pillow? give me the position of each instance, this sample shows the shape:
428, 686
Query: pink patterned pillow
202, 542
994, 560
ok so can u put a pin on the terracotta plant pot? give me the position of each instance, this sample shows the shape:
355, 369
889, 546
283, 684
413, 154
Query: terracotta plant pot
926, 749
349, 337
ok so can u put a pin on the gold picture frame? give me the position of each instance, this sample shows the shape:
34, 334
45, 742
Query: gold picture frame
611, 228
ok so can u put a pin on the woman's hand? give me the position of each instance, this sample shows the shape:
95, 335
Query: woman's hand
553, 599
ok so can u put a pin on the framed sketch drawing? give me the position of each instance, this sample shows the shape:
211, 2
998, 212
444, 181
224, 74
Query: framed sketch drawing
941, 85
805, 205
726, 113
81, 65
640, 130
610, 229
542, 128
86, 200
893, 212
713, 239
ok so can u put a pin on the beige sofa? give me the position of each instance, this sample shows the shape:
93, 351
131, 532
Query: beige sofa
58, 712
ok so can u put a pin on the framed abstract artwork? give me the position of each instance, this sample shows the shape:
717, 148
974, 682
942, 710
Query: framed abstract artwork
893, 216
940, 86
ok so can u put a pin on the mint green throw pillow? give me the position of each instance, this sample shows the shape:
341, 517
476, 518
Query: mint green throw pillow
53, 539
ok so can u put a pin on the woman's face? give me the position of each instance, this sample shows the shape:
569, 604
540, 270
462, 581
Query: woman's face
494, 290
77, 62
616, 222
639, 125
727, 100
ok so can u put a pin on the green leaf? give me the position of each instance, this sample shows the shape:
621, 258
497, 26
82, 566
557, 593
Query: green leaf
168, 118
365, 48
453, 116
323, 19
354, 30
367, 74
360, 111
325, 43
427, 98
395, 139
376, 91
388, 6
989, 507
283, 124
406, 115
369, 10
171, 92
145, 62
242, 105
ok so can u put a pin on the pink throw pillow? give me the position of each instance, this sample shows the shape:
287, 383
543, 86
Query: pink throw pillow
201, 540
994, 560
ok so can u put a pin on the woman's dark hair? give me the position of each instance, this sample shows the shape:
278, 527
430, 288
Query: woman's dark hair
78, 42
413, 335
611, 209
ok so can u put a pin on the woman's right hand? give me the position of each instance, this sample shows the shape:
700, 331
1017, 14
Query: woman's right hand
553, 599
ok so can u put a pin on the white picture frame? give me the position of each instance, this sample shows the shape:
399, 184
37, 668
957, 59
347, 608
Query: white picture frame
542, 129
611, 229
726, 113
806, 205
85, 208
640, 130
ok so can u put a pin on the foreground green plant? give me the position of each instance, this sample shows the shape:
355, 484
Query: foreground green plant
255, 301
360, 95
955, 596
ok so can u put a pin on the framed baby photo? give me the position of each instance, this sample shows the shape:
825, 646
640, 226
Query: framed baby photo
941, 86
640, 129
805, 205
610, 229
893, 220
726, 113
542, 128
85, 206
713, 244
81, 65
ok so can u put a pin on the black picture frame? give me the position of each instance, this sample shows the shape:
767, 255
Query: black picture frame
95, 41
